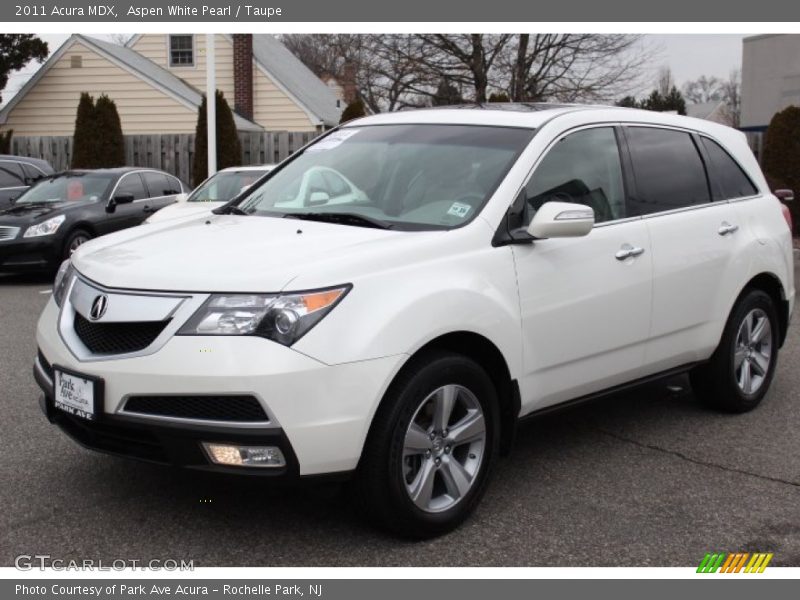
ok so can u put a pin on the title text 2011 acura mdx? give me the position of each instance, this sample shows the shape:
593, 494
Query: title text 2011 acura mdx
498, 262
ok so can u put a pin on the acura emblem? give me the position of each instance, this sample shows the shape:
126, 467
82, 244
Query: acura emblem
99, 307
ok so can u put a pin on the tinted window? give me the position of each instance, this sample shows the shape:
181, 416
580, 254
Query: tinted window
728, 177
668, 170
159, 184
10, 174
131, 184
583, 168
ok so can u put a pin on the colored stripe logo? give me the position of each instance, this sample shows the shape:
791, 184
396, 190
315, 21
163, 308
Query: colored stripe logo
735, 562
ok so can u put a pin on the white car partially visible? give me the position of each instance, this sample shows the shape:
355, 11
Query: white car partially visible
215, 191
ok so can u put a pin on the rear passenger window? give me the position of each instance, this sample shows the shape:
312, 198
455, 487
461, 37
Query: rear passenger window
157, 184
728, 179
583, 167
668, 170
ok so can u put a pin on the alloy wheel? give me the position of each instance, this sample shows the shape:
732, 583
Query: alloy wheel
753, 352
443, 448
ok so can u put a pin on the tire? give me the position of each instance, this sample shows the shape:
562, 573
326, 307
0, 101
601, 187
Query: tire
721, 383
399, 453
75, 239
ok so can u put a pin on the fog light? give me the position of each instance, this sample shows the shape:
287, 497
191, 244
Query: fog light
245, 456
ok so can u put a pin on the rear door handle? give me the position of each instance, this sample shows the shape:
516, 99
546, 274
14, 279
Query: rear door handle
627, 251
726, 228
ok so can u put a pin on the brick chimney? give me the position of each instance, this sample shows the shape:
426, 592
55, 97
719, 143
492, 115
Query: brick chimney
348, 83
243, 74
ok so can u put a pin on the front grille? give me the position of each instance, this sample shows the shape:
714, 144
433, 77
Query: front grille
8, 233
205, 408
117, 338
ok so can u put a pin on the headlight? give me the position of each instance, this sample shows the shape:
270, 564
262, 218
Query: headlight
61, 283
48, 227
283, 318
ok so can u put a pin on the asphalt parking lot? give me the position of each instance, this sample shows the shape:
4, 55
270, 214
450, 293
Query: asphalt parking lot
641, 479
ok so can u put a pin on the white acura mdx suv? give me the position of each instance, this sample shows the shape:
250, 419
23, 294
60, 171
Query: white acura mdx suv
498, 261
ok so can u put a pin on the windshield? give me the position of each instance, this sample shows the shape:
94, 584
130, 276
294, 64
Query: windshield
226, 185
67, 188
404, 176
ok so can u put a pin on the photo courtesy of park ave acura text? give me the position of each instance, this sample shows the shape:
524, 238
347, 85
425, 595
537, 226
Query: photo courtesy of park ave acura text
296, 299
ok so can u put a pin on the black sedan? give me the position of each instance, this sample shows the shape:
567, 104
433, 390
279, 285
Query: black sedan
50, 220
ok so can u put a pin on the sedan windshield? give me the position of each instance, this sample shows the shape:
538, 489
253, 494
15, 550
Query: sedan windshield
226, 185
68, 187
406, 177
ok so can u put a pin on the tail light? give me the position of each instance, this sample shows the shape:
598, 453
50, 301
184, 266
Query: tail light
788, 216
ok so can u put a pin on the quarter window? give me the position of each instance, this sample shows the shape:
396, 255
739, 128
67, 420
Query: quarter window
730, 180
668, 170
181, 50
584, 168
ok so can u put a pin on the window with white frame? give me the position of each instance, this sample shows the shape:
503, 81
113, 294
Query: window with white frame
181, 50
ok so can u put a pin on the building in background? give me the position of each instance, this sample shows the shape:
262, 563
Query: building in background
156, 81
770, 82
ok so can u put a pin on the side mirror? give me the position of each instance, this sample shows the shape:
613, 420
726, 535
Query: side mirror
784, 195
182, 197
118, 199
123, 198
318, 198
561, 219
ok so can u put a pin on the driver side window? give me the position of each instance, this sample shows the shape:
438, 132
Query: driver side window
584, 168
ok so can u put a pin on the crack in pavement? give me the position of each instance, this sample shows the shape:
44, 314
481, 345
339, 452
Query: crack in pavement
696, 461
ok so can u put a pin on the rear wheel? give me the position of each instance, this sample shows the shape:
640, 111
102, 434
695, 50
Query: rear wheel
427, 460
74, 240
740, 371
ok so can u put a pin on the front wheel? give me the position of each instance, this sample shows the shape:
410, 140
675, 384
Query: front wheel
432, 446
740, 371
75, 240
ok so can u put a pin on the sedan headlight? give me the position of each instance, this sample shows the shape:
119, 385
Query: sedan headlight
283, 318
48, 227
62, 281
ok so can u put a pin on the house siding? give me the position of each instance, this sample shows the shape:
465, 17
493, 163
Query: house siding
273, 109
155, 46
50, 107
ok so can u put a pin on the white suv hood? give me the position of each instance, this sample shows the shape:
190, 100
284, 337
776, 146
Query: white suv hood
230, 253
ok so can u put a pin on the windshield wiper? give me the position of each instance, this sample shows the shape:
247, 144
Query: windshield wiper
230, 210
340, 218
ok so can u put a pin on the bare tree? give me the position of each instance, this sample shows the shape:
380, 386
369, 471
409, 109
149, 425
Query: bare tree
731, 90
465, 59
572, 67
120, 39
397, 71
703, 89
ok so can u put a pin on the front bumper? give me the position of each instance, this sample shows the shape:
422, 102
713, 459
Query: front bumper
30, 254
319, 414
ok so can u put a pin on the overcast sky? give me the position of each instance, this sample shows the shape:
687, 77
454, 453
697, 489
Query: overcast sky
689, 57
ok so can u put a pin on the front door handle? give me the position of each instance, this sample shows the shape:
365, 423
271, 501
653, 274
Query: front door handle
726, 228
627, 251
149, 209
